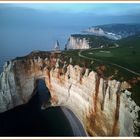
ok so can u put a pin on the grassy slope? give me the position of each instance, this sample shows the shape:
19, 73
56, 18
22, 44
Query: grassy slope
127, 55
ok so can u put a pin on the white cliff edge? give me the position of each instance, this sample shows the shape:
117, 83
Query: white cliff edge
100, 32
100, 105
77, 43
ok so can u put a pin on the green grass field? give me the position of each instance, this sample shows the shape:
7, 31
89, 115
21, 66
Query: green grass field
127, 56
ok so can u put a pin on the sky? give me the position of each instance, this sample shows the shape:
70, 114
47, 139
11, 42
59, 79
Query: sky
91, 8
31, 26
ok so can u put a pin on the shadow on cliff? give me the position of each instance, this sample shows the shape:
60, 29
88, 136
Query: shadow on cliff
30, 120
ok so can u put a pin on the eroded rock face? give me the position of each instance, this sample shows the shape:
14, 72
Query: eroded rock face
77, 43
101, 106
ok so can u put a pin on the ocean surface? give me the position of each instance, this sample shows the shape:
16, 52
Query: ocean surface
30, 120
18, 41
23, 30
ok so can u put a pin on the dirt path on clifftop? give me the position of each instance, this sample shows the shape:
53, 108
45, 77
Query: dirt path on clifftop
113, 64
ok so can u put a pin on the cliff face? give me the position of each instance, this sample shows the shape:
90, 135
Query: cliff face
100, 32
101, 106
77, 43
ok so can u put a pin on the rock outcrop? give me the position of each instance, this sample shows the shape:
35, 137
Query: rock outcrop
57, 46
102, 106
77, 43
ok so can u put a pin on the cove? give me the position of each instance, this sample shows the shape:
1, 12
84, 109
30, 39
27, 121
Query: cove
30, 120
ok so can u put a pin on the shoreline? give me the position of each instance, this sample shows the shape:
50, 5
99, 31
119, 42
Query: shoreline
76, 125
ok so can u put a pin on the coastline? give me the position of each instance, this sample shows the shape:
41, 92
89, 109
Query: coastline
77, 127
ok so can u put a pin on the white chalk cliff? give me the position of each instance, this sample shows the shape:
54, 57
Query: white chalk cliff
100, 105
100, 32
77, 43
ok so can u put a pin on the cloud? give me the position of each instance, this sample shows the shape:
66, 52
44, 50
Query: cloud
85, 8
